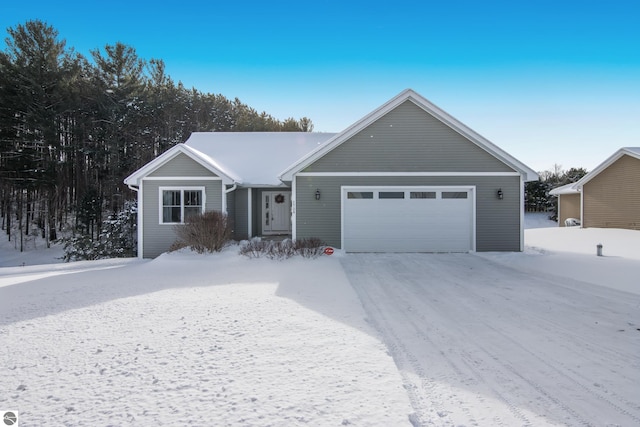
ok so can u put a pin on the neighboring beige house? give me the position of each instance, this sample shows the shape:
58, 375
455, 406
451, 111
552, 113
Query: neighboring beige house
568, 203
606, 197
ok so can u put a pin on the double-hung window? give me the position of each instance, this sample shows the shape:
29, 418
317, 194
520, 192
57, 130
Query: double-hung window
178, 204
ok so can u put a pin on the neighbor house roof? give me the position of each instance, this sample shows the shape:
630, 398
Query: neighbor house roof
628, 151
576, 187
409, 95
565, 189
255, 158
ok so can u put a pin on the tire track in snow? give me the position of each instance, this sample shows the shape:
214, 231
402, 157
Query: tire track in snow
559, 371
409, 299
468, 308
447, 282
400, 352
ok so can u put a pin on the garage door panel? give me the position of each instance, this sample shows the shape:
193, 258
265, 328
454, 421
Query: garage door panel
409, 225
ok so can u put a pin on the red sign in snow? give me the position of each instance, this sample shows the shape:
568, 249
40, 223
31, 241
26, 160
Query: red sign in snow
328, 251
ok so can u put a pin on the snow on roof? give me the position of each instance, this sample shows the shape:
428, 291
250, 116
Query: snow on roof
257, 158
565, 189
635, 150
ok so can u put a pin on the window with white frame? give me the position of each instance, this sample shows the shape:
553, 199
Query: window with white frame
178, 204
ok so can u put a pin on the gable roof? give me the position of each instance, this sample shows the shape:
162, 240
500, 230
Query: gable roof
624, 151
245, 158
201, 158
409, 95
256, 158
576, 187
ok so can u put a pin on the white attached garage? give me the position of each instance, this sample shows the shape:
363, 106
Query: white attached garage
408, 219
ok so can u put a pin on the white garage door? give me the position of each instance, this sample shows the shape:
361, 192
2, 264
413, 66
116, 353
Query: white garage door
408, 219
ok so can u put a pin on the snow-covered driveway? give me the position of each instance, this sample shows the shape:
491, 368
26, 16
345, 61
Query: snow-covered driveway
481, 343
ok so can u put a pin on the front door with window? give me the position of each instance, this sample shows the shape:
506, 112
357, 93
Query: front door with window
276, 212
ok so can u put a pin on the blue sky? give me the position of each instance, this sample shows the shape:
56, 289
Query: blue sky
551, 82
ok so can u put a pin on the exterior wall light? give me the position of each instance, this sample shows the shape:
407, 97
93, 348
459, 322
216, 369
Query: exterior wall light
318, 194
500, 194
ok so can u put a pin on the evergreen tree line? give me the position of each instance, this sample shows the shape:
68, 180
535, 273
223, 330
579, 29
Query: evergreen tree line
537, 197
72, 128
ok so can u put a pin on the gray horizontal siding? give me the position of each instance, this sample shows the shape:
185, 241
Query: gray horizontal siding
181, 165
241, 214
408, 139
497, 221
231, 211
157, 238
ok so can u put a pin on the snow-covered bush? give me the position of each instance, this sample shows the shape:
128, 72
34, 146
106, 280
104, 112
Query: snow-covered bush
117, 239
307, 248
208, 232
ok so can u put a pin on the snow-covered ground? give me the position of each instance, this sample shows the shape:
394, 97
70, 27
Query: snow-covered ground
194, 339
544, 337
486, 344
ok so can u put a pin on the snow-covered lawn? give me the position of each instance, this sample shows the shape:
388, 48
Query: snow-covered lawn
193, 339
544, 337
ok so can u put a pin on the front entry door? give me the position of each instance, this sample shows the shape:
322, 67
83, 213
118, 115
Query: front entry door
276, 212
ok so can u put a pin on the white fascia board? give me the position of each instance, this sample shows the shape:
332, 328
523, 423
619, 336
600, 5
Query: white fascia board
408, 94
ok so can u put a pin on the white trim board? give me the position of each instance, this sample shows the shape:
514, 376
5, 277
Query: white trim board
182, 178
408, 174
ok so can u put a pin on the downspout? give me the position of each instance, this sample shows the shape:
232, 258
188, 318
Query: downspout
224, 199
581, 206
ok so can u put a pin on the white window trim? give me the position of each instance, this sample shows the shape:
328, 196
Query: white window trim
182, 190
